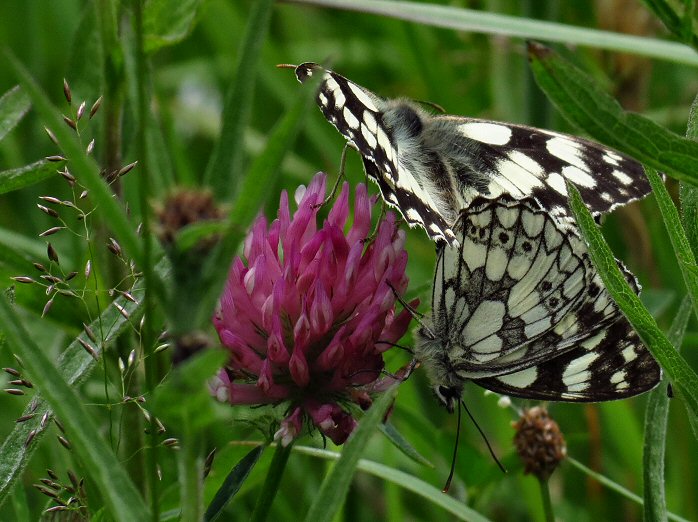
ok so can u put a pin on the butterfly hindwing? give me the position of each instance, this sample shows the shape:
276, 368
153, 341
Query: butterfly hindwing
615, 367
518, 307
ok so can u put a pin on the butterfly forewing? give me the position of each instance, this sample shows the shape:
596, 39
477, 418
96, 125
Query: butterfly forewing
430, 167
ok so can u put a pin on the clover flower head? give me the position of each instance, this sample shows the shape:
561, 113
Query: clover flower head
308, 311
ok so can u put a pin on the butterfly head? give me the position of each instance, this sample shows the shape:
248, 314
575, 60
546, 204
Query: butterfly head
449, 396
432, 351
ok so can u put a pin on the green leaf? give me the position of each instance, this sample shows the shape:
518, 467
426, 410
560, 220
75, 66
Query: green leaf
336, 484
14, 104
232, 483
689, 194
682, 376
471, 20
74, 364
403, 445
681, 24
225, 166
656, 417
677, 235
118, 491
15, 179
588, 107
167, 22
407, 481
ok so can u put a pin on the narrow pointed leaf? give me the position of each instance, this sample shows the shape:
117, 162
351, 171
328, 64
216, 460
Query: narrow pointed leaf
118, 491
459, 19
409, 482
656, 417
682, 25
225, 166
395, 437
588, 107
232, 483
682, 376
15, 179
677, 235
14, 104
336, 484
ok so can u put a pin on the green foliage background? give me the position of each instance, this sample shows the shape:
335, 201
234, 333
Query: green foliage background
178, 95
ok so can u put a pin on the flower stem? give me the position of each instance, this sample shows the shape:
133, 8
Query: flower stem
547, 503
271, 484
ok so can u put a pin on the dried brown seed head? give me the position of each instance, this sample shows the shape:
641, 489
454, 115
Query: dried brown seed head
539, 442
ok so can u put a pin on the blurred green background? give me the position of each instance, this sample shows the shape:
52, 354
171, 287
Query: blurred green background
467, 74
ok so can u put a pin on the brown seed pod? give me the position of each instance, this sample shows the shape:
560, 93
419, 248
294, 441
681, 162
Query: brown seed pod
539, 442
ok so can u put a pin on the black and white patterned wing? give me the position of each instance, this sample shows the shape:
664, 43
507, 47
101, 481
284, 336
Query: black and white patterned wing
430, 167
519, 293
525, 162
358, 114
614, 366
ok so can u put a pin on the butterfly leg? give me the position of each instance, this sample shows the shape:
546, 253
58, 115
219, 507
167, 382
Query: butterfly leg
340, 176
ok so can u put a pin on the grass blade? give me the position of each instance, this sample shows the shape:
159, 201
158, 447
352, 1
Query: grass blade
336, 484
232, 483
406, 481
656, 418
588, 107
677, 235
614, 486
74, 364
14, 104
118, 491
682, 376
226, 162
492, 23
15, 179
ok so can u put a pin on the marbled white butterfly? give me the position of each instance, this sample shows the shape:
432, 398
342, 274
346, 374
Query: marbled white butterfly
517, 306
430, 167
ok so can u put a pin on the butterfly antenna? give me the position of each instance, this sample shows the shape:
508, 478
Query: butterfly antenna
405, 348
417, 316
404, 304
447, 486
482, 434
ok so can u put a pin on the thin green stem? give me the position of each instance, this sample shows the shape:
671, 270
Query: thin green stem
271, 484
191, 466
147, 334
547, 502
614, 486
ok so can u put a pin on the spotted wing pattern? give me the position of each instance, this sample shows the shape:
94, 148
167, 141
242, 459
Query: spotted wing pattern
518, 308
358, 115
430, 167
